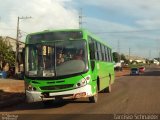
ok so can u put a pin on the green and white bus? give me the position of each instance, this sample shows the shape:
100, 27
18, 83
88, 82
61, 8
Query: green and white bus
66, 64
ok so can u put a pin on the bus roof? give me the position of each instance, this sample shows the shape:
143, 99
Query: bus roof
95, 37
85, 31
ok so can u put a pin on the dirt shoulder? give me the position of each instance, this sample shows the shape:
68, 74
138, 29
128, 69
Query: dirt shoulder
11, 85
12, 91
17, 86
122, 73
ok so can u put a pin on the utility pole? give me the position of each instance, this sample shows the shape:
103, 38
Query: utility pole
129, 53
149, 54
80, 18
159, 58
17, 44
118, 51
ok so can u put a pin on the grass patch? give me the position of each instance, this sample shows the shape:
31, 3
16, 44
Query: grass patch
136, 65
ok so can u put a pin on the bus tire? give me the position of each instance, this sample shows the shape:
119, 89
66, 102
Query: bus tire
94, 99
108, 89
105, 90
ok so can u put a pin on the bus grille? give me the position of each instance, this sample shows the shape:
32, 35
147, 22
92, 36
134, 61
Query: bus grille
56, 87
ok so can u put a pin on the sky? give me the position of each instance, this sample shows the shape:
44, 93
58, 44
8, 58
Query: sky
122, 24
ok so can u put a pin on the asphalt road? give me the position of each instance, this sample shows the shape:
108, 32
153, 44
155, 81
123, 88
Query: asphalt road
130, 94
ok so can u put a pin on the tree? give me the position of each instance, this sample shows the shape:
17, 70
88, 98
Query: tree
116, 56
6, 53
148, 61
123, 57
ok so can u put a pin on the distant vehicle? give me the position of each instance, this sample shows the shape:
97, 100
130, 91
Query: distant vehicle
118, 66
142, 69
155, 61
0, 74
134, 71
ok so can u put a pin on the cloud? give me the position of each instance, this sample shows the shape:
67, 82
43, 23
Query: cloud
141, 13
128, 15
128, 36
109, 28
105, 25
46, 14
136, 8
118, 15
149, 23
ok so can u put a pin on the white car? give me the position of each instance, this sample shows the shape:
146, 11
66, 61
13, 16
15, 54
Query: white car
118, 66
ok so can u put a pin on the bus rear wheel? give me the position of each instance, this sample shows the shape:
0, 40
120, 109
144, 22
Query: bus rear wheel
94, 99
108, 89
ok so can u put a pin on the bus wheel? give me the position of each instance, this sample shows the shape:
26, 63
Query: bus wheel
108, 89
94, 99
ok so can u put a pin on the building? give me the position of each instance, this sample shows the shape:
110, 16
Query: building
136, 58
13, 42
155, 61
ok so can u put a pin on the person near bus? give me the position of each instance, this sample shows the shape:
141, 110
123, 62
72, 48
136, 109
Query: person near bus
79, 55
60, 58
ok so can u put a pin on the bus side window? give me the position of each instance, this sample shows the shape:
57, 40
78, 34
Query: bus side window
99, 51
109, 56
106, 55
103, 52
106, 52
91, 49
95, 50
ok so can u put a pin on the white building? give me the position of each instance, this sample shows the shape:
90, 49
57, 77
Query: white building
136, 58
12, 42
155, 61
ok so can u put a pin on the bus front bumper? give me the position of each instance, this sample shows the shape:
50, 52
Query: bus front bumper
35, 96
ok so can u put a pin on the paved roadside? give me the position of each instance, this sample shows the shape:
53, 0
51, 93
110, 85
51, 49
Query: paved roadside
135, 95
11, 92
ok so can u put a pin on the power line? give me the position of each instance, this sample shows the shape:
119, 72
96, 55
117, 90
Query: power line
12, 29
147, 30
24, 32
129, 53
149, 54
7, 28
118, 50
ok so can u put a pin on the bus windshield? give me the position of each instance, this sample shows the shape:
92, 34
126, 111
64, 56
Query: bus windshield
53, 59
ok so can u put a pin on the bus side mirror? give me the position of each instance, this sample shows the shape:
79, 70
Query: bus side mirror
23, 55
19, 57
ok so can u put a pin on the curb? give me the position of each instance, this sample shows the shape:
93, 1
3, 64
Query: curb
13, 100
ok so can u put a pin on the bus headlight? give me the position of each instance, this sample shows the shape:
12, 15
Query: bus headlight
83, 81
29, 87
